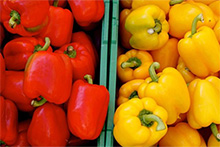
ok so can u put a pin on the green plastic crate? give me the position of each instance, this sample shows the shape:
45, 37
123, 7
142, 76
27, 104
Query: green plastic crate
103, 60
109, 141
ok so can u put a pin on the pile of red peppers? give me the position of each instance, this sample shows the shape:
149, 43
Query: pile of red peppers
48, 63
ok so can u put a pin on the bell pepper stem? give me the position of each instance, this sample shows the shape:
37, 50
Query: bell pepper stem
45, 47
88, 78
157, 28
154, 118
152, 72
70, 52
132, 62
2, 142
173, 2
194, 23
15, 19
134, 94
36, 103
55, 3
215, 131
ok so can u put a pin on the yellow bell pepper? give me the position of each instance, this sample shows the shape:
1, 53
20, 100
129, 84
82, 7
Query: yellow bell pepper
168, 89
133, 64
212, 141
167, 56
185, 72
182, 135
124, 34
217, 30
215, 7
148, 27
128, 91
125, 4
182, 15
205, 1
139, 122
200, 50
205, 102
163, 4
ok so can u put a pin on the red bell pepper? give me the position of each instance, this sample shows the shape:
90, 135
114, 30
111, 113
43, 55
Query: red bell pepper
14, 90
87, 109
2, 34
60, 26
17, 51
48, 75
8, 121
24, 17
81, 60
22, 136
82, 38
2, 73
48, 126
75, 141
59, 3
87, 12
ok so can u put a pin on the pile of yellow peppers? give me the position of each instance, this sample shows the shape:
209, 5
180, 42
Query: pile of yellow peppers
168, 70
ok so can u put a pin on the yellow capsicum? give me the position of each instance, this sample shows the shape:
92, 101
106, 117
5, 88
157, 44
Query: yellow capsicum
182, 135
200, 50
217, 30
139, 122
163, 4
128, 91
167, 55
205, 1
181, 16
205, 102
123, 33
133, 64
185, 72
168, 89
212, 141
148, 27
215, 7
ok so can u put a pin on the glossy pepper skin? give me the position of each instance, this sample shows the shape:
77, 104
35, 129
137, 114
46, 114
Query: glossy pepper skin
217, 30
2, 73
181, 135
48, 126
87, 109
167, 55
49, 75
168, 89
124, 34
128, 91
80, 58
84, 39
148, 27
60, 26
26, 18
182, 15
14, 90
205, 1
215, 5
134, 64
87, 12
17, 51
202, 57
204, 94
59, 3
9, 121
139, 122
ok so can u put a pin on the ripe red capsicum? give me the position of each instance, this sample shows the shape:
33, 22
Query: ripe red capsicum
2, 73
81, 60
59, 3
60, 26
17, 51
48, 126
25, 18
87, 109
87, 12
83, 38
2, 34
48, 75
14, 90
8, 121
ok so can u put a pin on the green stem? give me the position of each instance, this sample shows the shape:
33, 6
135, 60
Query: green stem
157, 28
152, 71
70, 52
15, 19
45, 47
148, 118
173, 2
134, 94
2, 142
36, 103
55, 3
88, 78
215, 131
194, 23
132, 62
